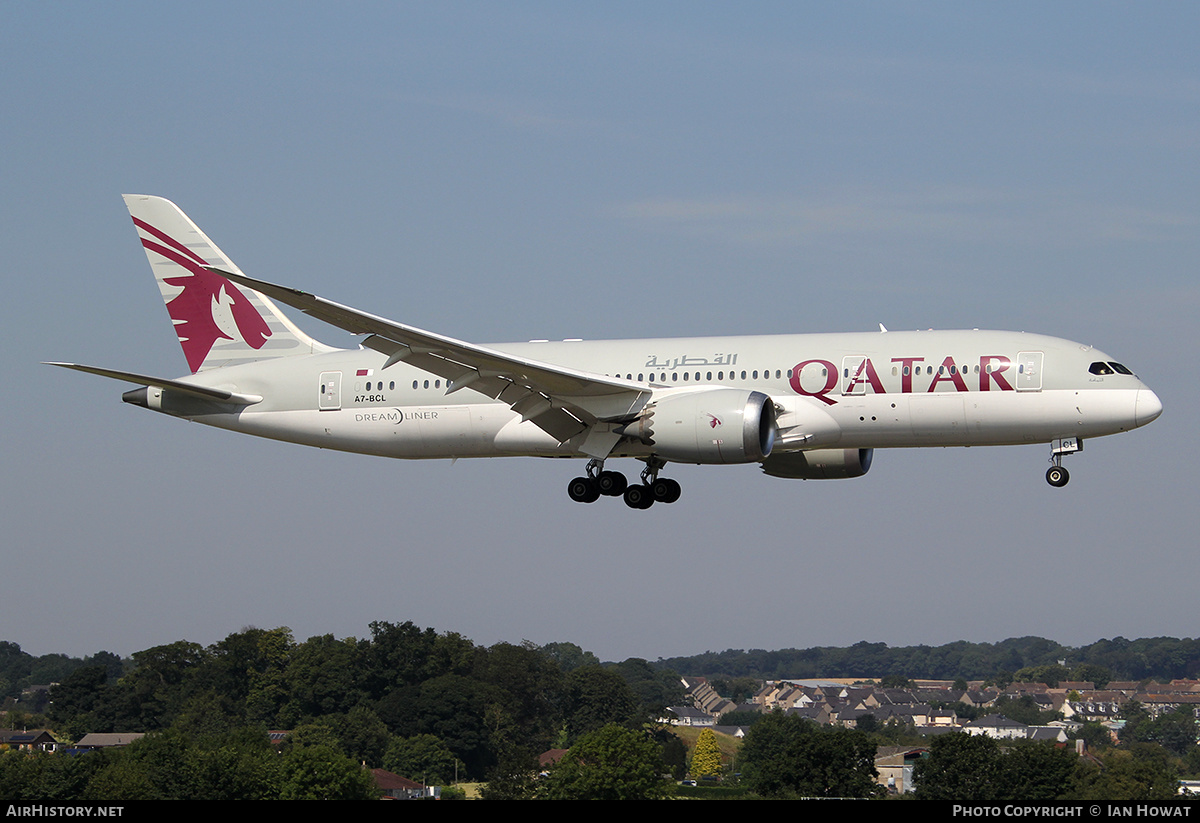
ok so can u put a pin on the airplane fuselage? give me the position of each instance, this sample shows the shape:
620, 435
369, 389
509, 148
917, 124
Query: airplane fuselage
868, 390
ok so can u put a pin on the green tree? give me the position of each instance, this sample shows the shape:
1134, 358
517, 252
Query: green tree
612, 763
524, 691
1123, 776
422, 757
960, 767
788, 756
452, 708
322, 773
514, 777
737, 689
1023, 709
1051, 674
741, 718
568, 656
239, 765
362, 735
594, 697
706, 757
1175, 731
654, 689
1137, 722
321, 677
1036, 770
1094, 734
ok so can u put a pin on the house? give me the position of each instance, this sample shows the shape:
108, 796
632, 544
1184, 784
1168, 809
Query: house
394, 787
104, 740
895, 767
33, 739
687, 716
998, 726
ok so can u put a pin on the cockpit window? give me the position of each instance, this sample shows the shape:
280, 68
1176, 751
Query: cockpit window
1100, 368
1119, 369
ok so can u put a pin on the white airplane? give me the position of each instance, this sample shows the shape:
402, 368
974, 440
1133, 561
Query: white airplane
802, 406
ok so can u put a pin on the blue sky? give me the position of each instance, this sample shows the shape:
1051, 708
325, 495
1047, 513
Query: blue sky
515, 171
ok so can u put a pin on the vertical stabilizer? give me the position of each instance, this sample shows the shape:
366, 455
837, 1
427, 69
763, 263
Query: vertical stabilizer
218, 323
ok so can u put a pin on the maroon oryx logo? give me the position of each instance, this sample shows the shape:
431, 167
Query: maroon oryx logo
203, 294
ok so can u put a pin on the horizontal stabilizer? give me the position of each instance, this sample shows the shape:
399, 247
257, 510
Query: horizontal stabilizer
219, 395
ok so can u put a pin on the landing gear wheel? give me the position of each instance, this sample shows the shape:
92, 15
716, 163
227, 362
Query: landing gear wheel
666, 490
1057, 476
583, 490
639, 496
611, 484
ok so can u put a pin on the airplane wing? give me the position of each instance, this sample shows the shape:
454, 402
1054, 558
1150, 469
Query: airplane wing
561, 401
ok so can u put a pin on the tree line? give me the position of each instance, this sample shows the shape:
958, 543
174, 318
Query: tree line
1155, 658
437, 708
428, 705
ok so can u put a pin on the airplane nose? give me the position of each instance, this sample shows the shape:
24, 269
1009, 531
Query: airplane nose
1148, 407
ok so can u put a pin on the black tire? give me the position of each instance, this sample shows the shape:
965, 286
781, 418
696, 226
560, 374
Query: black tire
612, 484
583, 490
1057, 476
666, 490
639, 496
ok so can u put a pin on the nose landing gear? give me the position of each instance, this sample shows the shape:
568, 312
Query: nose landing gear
1056, 475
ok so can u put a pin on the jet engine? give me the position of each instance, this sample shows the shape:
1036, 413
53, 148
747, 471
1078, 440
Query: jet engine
717, 425
820, 464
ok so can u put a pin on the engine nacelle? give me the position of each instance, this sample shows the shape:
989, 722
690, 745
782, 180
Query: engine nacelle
717, 425
820, 464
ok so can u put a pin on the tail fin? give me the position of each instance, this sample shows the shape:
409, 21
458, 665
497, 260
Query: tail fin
218, 324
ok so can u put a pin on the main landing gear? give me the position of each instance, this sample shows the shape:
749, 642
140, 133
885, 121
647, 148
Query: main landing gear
1056, 475
642, 495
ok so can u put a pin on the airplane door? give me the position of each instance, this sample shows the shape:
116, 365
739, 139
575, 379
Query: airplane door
331, 390
1029, 370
